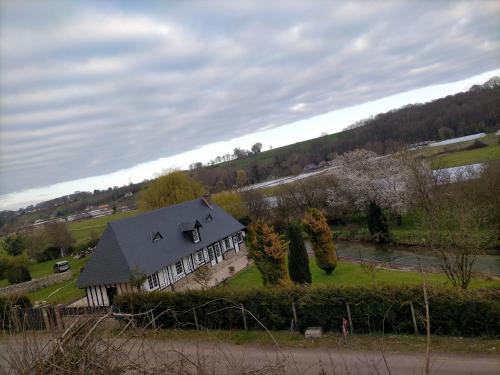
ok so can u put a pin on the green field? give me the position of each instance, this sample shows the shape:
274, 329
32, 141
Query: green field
82, 229
350, 274
45, 268
454, 155
64, 292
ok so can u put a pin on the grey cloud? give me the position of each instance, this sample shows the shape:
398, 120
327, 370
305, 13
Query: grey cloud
89, 89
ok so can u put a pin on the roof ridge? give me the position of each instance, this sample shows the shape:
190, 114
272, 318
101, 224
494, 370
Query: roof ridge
155, 210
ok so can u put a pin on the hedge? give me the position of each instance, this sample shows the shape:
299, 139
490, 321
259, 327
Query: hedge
373, 309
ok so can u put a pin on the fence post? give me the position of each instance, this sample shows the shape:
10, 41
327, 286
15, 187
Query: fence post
350, 318
413, 318
244, 317
14, 318
195, 319
59, 320
295, 319
46, 320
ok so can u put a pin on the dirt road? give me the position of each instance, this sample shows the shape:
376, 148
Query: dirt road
229, 359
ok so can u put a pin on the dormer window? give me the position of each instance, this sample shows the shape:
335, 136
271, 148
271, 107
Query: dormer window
208, 218
196, 235
156, 237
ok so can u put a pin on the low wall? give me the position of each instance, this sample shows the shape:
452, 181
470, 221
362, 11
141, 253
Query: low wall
35, 284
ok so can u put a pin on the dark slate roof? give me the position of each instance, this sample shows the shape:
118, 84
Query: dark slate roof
127, 244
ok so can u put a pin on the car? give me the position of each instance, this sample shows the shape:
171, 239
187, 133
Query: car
61, 266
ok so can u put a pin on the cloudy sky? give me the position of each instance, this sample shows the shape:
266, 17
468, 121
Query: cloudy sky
92, 88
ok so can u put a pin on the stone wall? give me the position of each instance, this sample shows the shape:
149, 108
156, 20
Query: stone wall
35, 284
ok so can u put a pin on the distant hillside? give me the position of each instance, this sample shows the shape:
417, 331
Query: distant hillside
470, 112
474, 111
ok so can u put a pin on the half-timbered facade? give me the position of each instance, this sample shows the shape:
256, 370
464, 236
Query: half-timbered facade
165, 246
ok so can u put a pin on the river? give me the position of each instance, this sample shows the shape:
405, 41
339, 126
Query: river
401, 256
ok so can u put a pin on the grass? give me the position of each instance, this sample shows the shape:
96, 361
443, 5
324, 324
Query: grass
82, 229
351, 274
454, 155
392, 343
467, 157
67, 291
45, 268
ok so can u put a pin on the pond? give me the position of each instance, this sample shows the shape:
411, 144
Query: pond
400, 256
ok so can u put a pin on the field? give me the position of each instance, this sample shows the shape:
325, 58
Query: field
45, 268
68, 291
454, 155
350, 274
82, 229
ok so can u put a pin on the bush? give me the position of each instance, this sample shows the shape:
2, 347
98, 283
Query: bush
5, 305
382, 309
298, 261
18, 274
50, 253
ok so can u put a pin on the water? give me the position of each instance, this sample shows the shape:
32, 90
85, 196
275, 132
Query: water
399, 256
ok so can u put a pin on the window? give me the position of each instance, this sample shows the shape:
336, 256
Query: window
208, 218
200, 256
240, 237
211, 253
227, 244
157, 237
153, 281
178, 268
217, 249
196, 235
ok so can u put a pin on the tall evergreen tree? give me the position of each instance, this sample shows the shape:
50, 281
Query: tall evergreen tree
377, 223
321, 237
268, 250
298, 261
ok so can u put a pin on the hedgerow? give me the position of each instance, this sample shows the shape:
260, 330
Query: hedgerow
373, 309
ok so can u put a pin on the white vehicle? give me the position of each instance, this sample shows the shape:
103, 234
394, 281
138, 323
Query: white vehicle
61, 266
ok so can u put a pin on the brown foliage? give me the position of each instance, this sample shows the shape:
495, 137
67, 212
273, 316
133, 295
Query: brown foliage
268, 250
319, 232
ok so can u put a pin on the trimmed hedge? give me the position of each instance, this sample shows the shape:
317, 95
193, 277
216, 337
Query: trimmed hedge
373, 309
18, 274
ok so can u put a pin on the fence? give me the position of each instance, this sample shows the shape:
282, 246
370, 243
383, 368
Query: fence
46, 317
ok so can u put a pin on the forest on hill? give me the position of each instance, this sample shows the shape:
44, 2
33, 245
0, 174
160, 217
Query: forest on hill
456, 115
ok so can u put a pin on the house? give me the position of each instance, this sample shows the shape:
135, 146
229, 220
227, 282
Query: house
166, 245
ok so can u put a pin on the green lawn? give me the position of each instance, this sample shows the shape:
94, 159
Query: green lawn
351, 274
82, 229
454, 155
45, 268
467, 157
64, 292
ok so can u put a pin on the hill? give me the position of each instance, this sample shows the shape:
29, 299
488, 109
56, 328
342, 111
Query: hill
462, 114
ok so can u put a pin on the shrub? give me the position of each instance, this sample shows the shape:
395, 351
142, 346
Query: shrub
268, 250
50, 253
321, 237
18, 274
382, 309
298, 261
377, 223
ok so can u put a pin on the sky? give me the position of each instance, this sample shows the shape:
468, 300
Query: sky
98, 94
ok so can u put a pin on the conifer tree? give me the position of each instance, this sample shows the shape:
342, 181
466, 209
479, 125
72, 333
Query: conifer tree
268, 250
298, 261
321, 237
377, 223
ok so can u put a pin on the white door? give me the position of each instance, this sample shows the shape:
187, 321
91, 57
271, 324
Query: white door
218, 252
